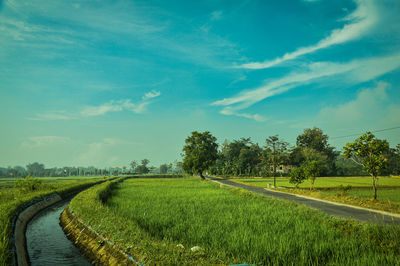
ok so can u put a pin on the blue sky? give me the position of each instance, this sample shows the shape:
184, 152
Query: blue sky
105, 82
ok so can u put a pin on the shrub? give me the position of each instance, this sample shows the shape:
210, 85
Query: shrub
28, 184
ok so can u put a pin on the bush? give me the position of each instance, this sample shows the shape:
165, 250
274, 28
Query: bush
297, 176
28, 184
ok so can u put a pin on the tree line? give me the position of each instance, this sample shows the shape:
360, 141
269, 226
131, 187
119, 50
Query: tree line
312, 153
165, 168
39, 170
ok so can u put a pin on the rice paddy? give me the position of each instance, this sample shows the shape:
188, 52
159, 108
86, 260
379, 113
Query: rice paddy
159, 220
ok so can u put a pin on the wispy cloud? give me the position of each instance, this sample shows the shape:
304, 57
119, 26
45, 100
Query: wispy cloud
230, 111
216, 15
371, 109
370, 102
117, 106
151, 94
124, 22
363, 17
40, 141
53, 115
353, 72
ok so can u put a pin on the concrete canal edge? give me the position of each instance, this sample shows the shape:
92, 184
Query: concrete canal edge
95, 247
22, 218
21, 253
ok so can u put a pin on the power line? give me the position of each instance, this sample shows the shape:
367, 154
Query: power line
373, 131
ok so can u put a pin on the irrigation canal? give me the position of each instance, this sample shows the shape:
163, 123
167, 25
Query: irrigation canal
46, 241
344, 211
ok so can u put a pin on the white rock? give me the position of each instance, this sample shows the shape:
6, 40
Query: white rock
196, 249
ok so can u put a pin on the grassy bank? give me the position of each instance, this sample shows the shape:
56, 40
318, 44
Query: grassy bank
358, 192
13, 199
159, 220
325, 182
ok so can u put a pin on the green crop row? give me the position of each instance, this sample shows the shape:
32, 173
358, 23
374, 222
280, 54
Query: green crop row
325, 182
14, 199
159, 220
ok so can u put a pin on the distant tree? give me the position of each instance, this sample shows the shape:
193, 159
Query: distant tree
145, 162
143, 169
178, 167
152, 169
314, 164
347, 167
133, 165
393, 161
35, 169
297, 176
199, 153
277, 149
163, 169
369, 152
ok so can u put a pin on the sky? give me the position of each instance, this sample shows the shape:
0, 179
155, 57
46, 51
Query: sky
102, 83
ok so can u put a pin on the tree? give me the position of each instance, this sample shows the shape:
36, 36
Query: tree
316, 139
35, 169
277, 150
200, 152
314, 164
163, 169
145, 162
297, 176
142, 169
393, 161
133, 165
369, 152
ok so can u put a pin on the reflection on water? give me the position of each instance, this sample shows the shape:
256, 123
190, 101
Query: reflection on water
47, 243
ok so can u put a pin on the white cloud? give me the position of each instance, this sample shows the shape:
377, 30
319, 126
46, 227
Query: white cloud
353, 72
151, 94
40, 141
216, 15
368, 104
96, 21
360, 21
117, 106
370, 110
111, 106
256, 117
53, 115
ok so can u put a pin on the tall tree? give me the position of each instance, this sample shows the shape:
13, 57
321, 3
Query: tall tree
199, 153
278, 152
316, 139
369, 152
314, 164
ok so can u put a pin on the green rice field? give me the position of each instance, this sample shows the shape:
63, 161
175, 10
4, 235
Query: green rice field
159, 220
10, 182
324, 182
332, 188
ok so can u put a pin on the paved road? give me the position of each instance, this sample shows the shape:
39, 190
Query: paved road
329, 208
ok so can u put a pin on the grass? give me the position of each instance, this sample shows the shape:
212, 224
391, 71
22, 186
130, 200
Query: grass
324, 182
329, 188
150, 218
12, 199
7, 182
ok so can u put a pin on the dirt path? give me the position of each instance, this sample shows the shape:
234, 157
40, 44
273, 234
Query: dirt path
344, 211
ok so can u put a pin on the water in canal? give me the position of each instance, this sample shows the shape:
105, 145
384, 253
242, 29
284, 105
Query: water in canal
46, 241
